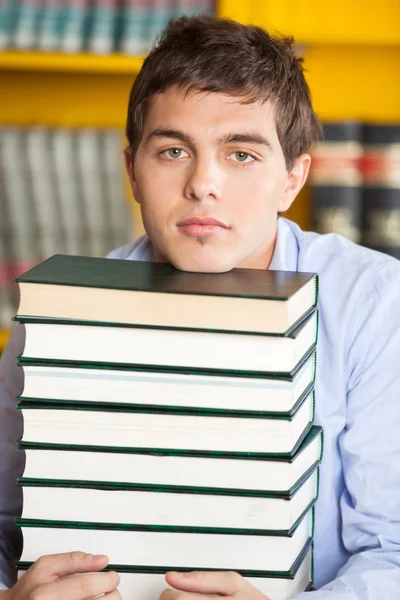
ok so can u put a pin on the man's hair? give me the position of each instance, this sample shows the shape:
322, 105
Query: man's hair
208, 54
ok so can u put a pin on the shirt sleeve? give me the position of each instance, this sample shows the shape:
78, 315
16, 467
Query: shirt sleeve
11, 458
370, 450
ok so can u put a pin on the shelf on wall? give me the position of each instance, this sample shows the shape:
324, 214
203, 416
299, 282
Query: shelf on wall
72, 63
316, 22
3, 338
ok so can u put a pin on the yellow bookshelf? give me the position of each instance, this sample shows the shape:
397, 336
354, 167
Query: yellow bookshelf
3, 339
351, 52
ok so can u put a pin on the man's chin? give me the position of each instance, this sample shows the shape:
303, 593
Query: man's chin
196, 264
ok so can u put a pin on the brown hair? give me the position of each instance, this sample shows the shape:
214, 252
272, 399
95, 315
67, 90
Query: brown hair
219, 55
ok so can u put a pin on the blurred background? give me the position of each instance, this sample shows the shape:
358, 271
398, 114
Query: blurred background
66, 68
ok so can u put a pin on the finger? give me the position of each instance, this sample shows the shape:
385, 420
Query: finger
81, 587
169, 594
224, 583
51, 567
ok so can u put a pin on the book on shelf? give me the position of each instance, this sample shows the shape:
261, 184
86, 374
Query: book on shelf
148, 584
102, 33
51, 25
381, 192
115, 184
44, 194
173, 469
77, 21
167, 429
336, 180
28, 19
8, 18
152, 546
65, 164
158, 295
86, 384
95, 208
14, 172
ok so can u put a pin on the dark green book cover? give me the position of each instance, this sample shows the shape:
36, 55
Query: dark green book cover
164, 278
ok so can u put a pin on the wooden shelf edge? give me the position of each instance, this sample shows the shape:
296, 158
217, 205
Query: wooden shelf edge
74, 63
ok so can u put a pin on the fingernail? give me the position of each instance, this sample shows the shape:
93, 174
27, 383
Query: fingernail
99, 557
177, 574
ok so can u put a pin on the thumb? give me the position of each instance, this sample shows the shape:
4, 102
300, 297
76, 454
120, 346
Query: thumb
224, 583
50, 568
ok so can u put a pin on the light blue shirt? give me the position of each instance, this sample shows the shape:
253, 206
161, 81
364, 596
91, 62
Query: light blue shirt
357, 521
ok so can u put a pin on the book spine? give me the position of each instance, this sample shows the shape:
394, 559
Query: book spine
77, 22
336, 180
93, 196
8, 18
29, 14
49, 238
52, 25
7, 291
381, 193
159, 12
135, 18
63, 155
103, 26
120, 230
18, 199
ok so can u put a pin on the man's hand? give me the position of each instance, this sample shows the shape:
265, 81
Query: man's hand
220, 583
44, 579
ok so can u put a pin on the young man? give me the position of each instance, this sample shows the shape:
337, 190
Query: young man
219, 125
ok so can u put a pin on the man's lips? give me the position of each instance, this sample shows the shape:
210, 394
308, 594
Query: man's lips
203, 226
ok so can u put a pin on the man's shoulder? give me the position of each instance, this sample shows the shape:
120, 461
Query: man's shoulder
334, 256
141, 249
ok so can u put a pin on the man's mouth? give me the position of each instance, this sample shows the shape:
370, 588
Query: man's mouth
202, 226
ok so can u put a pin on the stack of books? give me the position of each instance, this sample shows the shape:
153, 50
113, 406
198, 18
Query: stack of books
168, 420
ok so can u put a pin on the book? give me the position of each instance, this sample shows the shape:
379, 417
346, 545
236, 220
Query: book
86, 384
64, 162
119, 213
190, 510
150, 583
157, 294
381, 193
200, 350
29, 14
43, 186
175, 470
169, 547
336, 180
175, 429
92, 191
101, 38
18, 200
52, 24
8, 18
133, 32
77, 20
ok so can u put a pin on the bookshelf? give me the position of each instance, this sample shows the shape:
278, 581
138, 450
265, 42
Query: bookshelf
352, 66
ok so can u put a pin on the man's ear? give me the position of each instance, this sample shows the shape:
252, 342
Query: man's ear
295, 180
128, 159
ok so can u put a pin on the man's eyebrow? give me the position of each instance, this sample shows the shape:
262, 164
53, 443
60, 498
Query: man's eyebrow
230, 138
245, 138
173, 134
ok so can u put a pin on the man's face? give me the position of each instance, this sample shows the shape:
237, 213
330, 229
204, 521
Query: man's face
210, 177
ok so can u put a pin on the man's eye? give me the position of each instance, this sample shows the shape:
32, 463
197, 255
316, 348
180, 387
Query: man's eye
242, 157
175, 153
